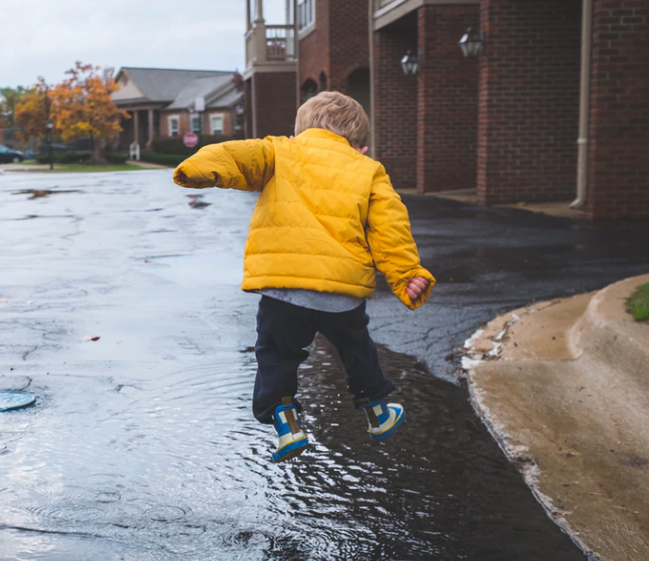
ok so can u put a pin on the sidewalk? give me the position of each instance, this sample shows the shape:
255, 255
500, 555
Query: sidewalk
564, 386
559, 209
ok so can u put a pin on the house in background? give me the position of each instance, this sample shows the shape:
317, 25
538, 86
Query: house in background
553, 106
162, 102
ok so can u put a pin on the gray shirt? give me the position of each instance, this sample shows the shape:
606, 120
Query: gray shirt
314, 300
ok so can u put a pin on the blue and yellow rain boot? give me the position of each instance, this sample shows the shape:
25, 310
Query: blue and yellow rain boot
382, 418
292, 440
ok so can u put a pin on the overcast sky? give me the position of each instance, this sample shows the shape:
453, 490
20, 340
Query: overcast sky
46, 37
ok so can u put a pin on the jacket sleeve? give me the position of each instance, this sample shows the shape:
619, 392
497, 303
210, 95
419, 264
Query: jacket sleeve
246, 165
391, 243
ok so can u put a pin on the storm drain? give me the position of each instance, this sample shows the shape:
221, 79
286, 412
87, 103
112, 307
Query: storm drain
11, 400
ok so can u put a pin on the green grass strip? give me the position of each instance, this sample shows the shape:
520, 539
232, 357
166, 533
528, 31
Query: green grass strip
87, 168
638, 303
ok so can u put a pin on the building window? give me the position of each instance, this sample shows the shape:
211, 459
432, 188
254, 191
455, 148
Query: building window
216, 124
305, 13
174, 126
195, 124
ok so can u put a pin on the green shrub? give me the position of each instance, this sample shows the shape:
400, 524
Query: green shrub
175, 145
638, 303
63, 158
171, 160
116, 157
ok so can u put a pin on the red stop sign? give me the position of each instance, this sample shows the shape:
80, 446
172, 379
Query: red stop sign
190, 139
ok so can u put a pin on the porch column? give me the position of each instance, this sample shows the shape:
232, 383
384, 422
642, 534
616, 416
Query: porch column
248, 19
447, 121
260, 12
136, 126
395, 105
529, 101
150, 139
618, 169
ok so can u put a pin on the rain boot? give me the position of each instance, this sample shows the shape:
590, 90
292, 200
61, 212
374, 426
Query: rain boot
292, 440
382, 418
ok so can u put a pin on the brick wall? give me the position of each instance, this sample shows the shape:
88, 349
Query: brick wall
447, 132
338, 45
396, 104
529, 100
314, 48
349, 43
618, 178
275, 99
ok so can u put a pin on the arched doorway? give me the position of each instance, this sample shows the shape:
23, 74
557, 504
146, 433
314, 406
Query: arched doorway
323, 82
358, 87
308, 90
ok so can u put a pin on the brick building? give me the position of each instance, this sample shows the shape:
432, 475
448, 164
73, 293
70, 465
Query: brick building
554, 108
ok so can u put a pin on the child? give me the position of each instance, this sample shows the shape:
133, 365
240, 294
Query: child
326, 219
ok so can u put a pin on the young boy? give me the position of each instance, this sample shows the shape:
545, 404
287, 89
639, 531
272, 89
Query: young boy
326, 219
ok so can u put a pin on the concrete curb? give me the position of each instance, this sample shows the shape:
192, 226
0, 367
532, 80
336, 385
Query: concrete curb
608, 334
564, 388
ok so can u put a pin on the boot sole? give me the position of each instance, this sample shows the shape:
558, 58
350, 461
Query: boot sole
292, 450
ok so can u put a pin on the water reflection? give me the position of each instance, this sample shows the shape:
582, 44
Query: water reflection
179, 466
195, 201
42, 193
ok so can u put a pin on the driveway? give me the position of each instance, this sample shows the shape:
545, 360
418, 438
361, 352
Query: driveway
143, 445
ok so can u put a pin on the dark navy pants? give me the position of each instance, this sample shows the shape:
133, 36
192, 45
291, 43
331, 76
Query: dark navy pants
283, 333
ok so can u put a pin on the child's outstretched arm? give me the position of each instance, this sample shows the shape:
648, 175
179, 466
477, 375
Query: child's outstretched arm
393, 248
238, 164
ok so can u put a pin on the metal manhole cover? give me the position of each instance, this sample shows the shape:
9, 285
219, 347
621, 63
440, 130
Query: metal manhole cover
11, 400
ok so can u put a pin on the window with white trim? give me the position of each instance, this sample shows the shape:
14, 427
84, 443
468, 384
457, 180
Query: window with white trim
174, 125
305, 14
195, 124
216, 123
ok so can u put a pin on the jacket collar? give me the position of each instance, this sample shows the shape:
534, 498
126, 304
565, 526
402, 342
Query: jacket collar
322, 133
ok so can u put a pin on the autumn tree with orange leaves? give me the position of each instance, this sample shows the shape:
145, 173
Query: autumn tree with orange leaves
32, 110
82, 107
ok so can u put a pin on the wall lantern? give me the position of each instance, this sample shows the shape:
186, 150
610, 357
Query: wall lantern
472, 43
410, 64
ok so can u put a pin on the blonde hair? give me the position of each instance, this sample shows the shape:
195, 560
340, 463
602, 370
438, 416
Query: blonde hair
337, 113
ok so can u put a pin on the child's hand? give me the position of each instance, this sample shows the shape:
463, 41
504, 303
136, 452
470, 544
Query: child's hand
416, 287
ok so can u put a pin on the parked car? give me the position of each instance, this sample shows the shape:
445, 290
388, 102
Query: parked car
8, 155
43, 149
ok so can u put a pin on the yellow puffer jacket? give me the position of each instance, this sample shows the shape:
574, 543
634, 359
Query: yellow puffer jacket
325, 217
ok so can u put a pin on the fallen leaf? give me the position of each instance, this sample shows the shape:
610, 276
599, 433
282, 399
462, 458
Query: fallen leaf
90, 338
147, 261
4, 300
29, 302
120, 342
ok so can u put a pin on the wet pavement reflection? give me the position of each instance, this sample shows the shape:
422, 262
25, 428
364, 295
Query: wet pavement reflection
143, 446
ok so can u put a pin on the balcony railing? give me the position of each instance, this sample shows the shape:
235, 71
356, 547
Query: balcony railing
270, 43
280, 42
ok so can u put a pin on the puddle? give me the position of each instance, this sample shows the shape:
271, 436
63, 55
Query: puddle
179, 466
195, 201
42, 193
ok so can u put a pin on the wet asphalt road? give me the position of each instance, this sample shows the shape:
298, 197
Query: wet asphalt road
143, 446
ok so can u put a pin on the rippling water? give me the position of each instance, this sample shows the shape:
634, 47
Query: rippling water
143, 446
178, 466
